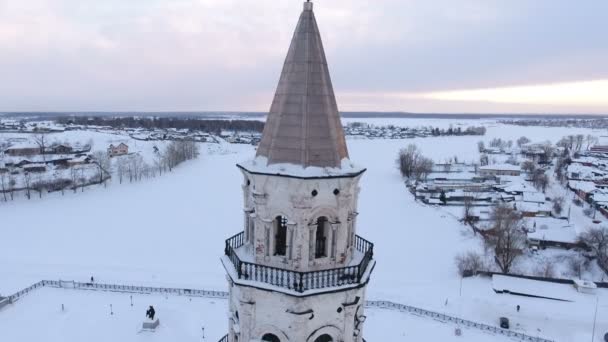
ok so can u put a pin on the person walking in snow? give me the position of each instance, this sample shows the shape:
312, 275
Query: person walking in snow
518, 308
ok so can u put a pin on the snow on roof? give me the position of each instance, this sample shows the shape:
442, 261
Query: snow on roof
585, 160
534, 197
582, 186
23, 144
519, 186
551, 229
260, 165
585, 283
28, 166
531, 207
501, 167
584, 171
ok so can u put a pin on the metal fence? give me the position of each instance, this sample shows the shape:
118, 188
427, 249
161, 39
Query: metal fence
380, 304
383, 304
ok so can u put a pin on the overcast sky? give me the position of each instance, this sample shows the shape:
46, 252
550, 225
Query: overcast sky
536, 56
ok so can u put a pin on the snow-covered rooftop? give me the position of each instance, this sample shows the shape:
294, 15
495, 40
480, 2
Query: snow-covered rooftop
500, 167
260, 165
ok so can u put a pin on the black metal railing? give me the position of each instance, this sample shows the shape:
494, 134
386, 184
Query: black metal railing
224, 339
299, 281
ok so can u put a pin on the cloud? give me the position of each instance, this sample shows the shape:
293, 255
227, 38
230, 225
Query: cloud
227, 54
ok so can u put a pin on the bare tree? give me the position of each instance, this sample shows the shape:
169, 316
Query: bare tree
407, 160
104, 163
481, 146
121, 168
558, 204
597, 240
4, 184
468, 208
578, 264
42, 141
579, 139
423, 168
522, 141
27, 182
546, 269
540, 181
506, 238
529, 166
74, 178
591, 140
12, 182
469, 263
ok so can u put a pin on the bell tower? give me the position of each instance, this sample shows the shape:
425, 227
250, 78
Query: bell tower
298, 271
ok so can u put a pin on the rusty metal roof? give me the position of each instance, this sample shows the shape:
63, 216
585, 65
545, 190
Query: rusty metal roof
303, 126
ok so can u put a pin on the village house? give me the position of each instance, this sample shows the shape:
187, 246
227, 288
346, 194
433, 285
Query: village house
118, 150
79, 160
22, 149
34, 167
546, 232
500, 170
60, 149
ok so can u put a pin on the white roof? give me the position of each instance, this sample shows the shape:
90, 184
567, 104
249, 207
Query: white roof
532, 207
582, 186
501, 167
551, 229
260, 165
534, 197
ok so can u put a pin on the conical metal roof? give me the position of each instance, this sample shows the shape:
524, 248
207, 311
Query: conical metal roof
303, 126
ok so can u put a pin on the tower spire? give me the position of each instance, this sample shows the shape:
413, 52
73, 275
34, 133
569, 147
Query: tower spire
303, 126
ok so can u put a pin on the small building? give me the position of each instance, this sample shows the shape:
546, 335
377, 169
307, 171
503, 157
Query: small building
79, 160
500, 170
118, 150
61, 149
585, 286
550, 232
34, 167
22, 149
528, 209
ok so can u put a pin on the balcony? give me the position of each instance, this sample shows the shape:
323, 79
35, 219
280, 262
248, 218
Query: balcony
300, 281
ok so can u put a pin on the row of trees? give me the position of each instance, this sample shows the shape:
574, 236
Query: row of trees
412, 164
132, 167
473, 130
575, 143
211, 126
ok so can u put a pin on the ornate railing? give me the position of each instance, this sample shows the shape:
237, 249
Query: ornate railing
224, 339
299, 281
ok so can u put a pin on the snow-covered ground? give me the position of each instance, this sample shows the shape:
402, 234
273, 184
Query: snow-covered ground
87, 316
170, 231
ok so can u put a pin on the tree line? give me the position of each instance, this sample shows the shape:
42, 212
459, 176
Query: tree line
210, 126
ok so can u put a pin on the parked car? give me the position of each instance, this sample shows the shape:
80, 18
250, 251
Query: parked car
504, 322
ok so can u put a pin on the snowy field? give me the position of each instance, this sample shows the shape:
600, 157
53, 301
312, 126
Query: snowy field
87, 317
170, 231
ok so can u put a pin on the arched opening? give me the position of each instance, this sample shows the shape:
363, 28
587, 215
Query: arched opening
324, 338
271, 338
321, 237
280, 237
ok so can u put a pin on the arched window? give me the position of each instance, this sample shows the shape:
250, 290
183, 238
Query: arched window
271, 338
280, 237
324, 338
321, 237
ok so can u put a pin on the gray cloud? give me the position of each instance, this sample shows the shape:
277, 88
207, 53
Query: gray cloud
227, 54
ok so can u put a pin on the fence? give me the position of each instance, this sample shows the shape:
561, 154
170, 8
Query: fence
451, 319
299, 281
381, 304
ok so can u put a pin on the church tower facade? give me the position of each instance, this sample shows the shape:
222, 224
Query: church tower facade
298, 271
